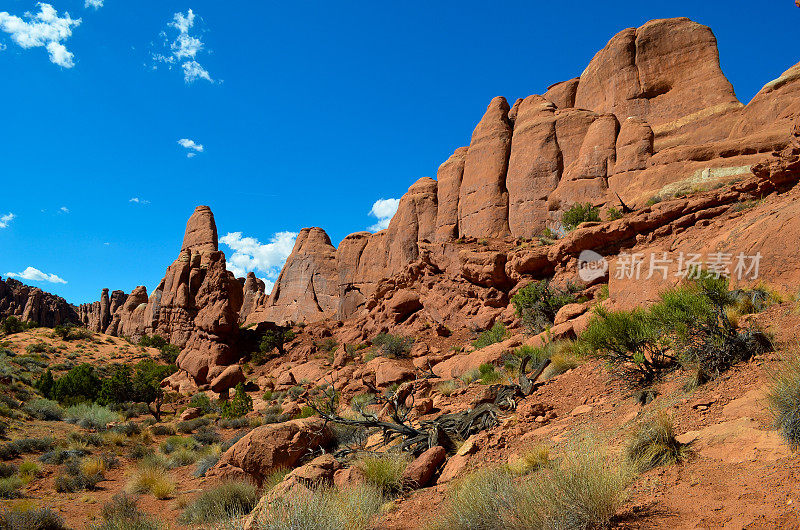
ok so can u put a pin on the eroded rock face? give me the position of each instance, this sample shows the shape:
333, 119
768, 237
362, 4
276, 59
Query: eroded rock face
483, 197
31, 304
201, 231
448, 180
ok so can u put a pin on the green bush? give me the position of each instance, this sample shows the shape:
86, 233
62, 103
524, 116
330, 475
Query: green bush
654, 444
9, 487
273, 339
538, 303
239, 405
783, 398
79, 384
188, 426
222, 503
70, 331
202, 402
613, 213
579, 213
327, 345
73, 479
12, 325
204, 464
153, 341
497, 333
393, 346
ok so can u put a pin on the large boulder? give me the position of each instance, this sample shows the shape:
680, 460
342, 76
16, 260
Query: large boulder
271, 447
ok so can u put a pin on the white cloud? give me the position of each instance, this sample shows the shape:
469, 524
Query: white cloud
63, 209
137, 200
5, 219
2, 47
97, 4
35, 275
44, 29
383, 210
191, 146
184, 49
266, 260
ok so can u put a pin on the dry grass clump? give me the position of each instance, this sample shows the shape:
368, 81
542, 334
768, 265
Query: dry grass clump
783, 398
324, 509
384, 471
531, 460
583, 490
123, 513
226, 501
654, 444
154, 480
31, 517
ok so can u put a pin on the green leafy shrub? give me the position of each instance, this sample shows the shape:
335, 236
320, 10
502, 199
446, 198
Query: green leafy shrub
272, 340
161, 429
222, 503
393, 346
497, 333
538, 303
153, 341
12, 325
239, 405
653, 444
79, 384
579, 213
327, 345
202, 402
9, 487
613, 213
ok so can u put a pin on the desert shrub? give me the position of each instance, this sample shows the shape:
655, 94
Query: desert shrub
538, 303
28, 470
323, 508
393, 346
488, 375
206, 436
188, 426
221, 503
384, 470
239, 405
532, 459
38, 347
72, 478
327, 344
478, 500
169, 353
91, 416
783, 398
44, 409
153, 341
181, 457
69, 332
238, 423
7, 470
584, 490
162, 429
653, 444
79, 384
31, 518
32, 445
12, 325
129, 428
204, 464
9, 487
123, 513
153, 480
295, 391
59, 456
495, 334
176, 442
613, 213
202, 402
579, 213
273, 339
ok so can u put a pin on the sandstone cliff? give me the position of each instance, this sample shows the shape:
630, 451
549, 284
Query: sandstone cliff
31, 304
651, 115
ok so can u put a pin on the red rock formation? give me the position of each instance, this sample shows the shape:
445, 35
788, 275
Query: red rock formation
448, 180
31, 304
483, 197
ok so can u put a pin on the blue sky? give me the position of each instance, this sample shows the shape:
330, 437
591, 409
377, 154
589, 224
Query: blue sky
295, 113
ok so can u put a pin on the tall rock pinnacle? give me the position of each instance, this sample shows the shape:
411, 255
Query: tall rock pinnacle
201, 231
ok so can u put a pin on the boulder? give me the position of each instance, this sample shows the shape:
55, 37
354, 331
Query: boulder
271, 447
229, 377
419, 473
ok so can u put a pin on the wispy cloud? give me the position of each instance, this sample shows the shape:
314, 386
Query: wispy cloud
63, 209
97, 4
249, 254
137, 200
5, 219
35, 275
45, 29
184, 49
191, 146
383, 210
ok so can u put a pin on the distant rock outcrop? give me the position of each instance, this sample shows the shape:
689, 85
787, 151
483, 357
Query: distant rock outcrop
31, 304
